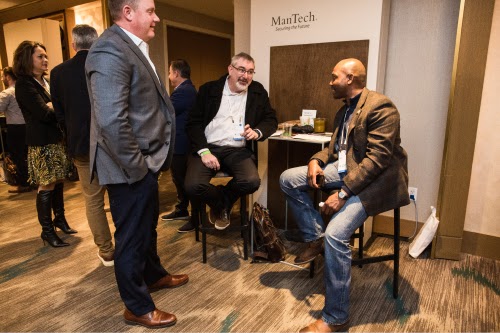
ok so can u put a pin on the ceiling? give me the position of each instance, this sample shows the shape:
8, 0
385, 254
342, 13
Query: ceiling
221, 9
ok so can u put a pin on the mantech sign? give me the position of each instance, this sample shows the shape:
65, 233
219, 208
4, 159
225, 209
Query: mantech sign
294, 21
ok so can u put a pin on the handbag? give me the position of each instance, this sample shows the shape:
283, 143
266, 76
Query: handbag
9, 170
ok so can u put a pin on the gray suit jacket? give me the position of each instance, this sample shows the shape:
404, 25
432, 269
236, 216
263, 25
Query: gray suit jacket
132, 120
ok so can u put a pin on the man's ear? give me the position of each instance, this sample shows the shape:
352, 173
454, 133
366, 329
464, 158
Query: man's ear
127, 12
350, 78
74, 46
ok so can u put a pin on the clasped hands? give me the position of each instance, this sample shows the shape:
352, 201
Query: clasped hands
211, 162
333, 204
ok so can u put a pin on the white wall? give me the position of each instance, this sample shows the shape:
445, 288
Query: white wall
483, 203
39, 30
90, 14
419, 66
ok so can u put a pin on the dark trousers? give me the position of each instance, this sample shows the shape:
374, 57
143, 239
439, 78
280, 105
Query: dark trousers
16, 145
135, 211
238, 162
178, 170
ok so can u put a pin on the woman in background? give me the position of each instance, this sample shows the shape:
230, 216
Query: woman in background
16, 131
47, 163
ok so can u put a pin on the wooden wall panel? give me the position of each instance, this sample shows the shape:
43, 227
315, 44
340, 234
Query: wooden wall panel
299, 79
300, 76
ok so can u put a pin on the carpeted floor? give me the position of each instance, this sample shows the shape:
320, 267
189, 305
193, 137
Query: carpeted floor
67, 289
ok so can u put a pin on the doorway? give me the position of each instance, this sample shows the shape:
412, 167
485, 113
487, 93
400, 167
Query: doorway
208, 55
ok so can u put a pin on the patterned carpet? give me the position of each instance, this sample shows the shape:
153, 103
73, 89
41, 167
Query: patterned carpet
68, 290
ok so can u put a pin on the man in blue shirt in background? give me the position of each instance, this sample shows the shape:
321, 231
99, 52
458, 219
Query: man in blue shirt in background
183, 98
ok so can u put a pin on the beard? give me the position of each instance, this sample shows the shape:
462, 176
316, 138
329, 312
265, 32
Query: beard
338, 93
242, 84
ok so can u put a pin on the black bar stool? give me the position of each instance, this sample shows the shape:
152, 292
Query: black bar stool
360, 261
202, 224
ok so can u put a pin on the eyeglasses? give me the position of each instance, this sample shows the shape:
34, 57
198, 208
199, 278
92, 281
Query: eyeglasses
242, 70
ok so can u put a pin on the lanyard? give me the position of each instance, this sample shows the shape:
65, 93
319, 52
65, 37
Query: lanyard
343, 133
235, 111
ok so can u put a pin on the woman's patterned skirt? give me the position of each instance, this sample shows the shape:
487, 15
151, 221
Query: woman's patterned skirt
47, 164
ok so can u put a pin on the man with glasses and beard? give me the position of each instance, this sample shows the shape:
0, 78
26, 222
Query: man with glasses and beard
228, 115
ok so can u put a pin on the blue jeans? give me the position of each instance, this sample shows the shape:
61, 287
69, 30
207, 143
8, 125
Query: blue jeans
337, 234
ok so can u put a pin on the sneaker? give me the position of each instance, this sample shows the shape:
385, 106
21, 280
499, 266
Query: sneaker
187, 227
213, 215
312, 250
106, 259
222, 222
176, 215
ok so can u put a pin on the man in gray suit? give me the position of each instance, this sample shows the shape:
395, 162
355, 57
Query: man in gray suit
131, 140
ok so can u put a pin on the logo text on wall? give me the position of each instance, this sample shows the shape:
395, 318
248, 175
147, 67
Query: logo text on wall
292, 22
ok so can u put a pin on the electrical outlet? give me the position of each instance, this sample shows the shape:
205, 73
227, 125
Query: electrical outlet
413, 193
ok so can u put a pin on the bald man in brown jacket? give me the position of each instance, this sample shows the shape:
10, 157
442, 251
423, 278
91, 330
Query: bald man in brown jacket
365, 171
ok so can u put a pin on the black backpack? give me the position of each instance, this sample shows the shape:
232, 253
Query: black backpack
267, 244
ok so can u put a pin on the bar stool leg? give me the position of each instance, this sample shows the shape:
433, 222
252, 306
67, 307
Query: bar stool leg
244, 225
203, 218
396, 253
361, 245
312, 266
195, 214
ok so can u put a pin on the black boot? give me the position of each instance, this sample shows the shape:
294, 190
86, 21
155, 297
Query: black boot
58, 207
44, 209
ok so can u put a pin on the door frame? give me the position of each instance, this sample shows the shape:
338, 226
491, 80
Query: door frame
189, 27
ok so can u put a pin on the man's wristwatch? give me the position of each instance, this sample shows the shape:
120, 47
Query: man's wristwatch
343, 195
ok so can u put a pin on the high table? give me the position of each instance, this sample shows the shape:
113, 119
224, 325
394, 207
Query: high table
314, 138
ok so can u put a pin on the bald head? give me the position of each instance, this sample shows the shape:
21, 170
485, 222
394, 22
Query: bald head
348, 78
355, 68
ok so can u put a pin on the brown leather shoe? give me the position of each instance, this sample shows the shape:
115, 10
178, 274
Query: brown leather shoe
153, 319
169, 281
310, 253
320, 326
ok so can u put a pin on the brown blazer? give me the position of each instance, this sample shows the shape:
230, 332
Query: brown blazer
377, 165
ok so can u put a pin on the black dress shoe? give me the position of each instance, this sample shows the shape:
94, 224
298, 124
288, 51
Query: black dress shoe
176, 215
153, 319
187, 227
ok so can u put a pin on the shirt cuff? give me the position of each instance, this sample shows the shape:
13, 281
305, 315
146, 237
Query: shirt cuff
320, 162
201, 151
259, 133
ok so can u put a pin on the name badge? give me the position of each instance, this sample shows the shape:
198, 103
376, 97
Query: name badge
342, 166
238, 129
